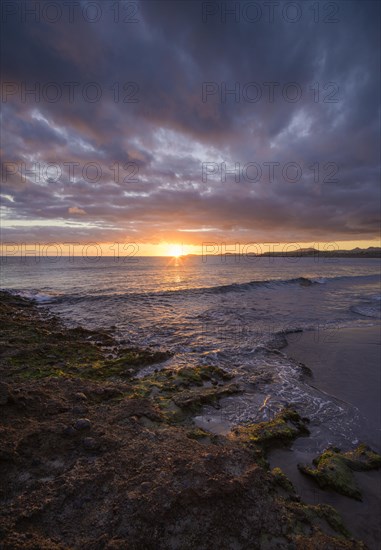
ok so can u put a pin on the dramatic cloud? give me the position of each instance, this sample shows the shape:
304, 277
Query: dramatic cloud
163, 120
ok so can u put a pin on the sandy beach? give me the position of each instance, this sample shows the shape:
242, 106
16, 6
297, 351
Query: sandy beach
345, 363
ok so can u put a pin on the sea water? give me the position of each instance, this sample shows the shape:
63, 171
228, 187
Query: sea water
233, 312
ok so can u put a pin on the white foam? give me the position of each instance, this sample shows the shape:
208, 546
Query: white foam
39, 297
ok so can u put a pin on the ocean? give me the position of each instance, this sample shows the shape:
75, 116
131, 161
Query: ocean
237, 313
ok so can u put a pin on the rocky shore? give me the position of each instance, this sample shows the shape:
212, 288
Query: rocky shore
92, 456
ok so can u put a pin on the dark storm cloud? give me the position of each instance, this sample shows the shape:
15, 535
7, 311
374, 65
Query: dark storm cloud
170, 131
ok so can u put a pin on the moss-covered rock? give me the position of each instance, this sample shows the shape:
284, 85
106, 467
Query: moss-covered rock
34, 347
193, 399
180, 393
319, 516
282, 480
333, 469
282, 429
200, 435
128, 362
362, 458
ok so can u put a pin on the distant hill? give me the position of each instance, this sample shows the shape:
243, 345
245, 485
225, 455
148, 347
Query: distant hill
371, 252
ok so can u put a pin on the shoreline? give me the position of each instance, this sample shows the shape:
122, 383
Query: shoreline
94, 457
333, 360
345, 364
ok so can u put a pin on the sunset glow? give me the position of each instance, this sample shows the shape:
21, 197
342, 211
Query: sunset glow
188, 154
175, 250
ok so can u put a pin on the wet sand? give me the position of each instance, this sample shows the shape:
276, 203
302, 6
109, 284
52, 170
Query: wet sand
345, 363
361, 518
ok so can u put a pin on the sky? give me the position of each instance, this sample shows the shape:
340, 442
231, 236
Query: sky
161, 124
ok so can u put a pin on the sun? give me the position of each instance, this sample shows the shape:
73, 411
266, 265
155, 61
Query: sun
175, 250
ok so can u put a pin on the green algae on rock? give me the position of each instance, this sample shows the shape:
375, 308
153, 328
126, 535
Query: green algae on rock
180, 393
283, 428
201, 435
333, 469
282, 480
128, 362
307, 514
35, 347
193, 400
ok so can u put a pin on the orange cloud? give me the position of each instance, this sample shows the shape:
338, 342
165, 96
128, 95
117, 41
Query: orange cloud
76, 210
